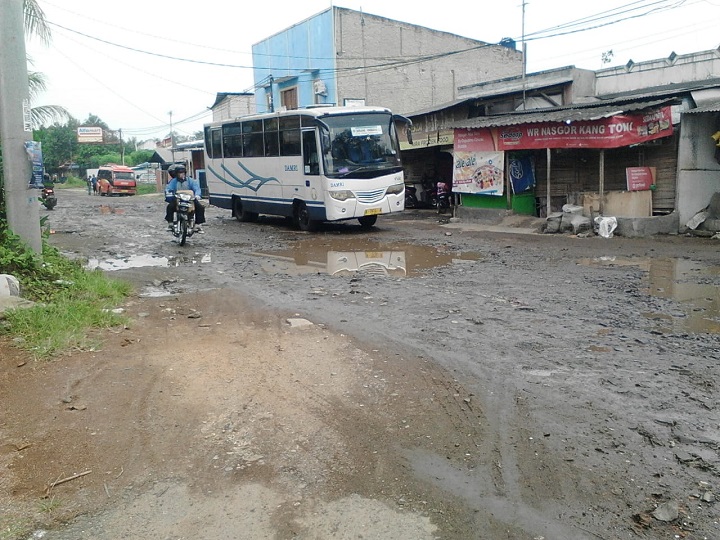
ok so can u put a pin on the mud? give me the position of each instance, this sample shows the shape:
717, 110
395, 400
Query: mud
458, 381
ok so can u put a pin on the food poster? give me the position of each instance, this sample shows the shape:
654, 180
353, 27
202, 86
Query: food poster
521, 172
478, 167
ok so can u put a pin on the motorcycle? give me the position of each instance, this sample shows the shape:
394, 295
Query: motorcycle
183, 224
47, 198
442, 197
429, 195
411, 200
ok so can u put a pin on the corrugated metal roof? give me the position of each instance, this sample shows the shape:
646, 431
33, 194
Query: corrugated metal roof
490, 93
564, 114
715, 107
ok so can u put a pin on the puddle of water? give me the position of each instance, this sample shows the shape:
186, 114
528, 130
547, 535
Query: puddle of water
195, 258
345, 257
133, 261
141, 261
677, 279
106, 209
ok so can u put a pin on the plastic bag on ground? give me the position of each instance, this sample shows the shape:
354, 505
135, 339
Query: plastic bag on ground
606, 226
697, 219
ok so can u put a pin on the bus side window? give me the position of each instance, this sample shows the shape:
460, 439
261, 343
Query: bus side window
216, 144
310, 153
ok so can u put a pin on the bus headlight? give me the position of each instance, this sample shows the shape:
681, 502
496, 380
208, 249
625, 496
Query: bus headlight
395, 189
343, 195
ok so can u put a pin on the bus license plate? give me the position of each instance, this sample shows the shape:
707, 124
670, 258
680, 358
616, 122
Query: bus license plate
372, 211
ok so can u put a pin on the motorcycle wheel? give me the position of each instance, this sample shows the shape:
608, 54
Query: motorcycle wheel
183, 231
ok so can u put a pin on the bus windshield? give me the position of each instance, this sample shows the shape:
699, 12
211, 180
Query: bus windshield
359, 143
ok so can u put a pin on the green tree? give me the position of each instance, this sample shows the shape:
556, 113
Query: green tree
107, 157
138, 156
59, 144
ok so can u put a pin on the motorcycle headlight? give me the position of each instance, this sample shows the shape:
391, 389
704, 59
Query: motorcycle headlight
183, 197
396, 189
342, 195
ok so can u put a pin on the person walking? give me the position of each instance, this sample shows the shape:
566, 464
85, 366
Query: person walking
90, 185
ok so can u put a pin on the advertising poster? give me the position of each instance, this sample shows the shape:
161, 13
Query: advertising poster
34, 152
640, 178
478, 167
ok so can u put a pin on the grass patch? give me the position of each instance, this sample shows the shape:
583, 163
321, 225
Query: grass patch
47, 330
12, 528
71, 300
48, 506
145, 189
71, 182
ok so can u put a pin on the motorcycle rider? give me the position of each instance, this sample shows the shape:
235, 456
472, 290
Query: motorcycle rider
180, 181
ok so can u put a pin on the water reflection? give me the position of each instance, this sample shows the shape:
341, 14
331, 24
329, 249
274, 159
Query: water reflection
132, 261
379, 263
683, 280
340, 257
142, 261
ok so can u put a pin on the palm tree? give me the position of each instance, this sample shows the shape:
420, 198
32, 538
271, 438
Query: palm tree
35, 24
43, 114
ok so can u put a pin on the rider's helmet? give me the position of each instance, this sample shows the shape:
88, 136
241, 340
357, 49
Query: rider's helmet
172, 170
180, 168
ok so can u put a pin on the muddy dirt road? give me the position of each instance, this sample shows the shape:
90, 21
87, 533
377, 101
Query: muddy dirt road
455, 383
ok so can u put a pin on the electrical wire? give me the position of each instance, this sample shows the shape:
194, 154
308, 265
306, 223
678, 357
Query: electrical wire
620, 14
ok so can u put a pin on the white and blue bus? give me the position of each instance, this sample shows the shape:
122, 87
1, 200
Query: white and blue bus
312, 165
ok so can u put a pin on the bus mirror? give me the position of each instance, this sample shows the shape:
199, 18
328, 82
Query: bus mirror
408, 126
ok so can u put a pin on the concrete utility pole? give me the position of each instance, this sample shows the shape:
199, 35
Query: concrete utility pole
172, 139
16, 128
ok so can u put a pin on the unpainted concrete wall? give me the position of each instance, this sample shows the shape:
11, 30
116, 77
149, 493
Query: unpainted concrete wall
410, 87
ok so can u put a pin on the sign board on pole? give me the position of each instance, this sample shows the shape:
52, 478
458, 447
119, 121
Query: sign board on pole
90, 135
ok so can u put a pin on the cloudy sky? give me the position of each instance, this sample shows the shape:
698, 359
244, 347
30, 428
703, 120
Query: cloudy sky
139, 64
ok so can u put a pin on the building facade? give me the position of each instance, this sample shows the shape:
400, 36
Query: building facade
346, 57
672, 122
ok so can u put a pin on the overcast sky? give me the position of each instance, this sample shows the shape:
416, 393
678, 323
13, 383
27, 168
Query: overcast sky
135, 91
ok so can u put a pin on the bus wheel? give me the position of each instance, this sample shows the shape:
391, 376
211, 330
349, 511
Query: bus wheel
367, 221
241, 214
302, 218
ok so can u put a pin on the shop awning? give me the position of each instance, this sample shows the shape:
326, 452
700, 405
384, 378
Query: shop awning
567, 115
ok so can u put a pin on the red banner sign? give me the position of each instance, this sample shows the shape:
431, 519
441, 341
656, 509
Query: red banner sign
640, 178
613, 132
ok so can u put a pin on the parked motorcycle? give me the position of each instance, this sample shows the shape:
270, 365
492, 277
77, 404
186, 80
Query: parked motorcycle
442, 197
183, 224
411, 200
47, 198
429, 195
